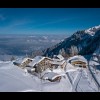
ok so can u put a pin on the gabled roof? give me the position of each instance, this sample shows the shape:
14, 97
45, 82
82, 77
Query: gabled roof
49, 58
60, 57
57, 63
25, 59
36, 60
77, 58
19, 60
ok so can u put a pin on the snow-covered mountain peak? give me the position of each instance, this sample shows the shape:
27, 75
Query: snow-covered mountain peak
92, 30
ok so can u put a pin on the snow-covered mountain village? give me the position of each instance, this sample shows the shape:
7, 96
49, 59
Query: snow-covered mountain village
50, 49
54, 72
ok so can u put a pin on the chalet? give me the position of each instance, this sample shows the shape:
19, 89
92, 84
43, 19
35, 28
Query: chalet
55, 64
52, 77
22, 62
40, 63
58, 60
79, 64
78, 61
25, 62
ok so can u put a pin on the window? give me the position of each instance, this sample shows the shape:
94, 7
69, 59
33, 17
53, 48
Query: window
56, 66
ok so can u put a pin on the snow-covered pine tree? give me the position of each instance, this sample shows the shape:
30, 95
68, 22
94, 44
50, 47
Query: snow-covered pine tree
62, 52
73, 50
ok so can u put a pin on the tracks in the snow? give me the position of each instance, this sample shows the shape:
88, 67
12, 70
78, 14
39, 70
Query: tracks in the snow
94, 77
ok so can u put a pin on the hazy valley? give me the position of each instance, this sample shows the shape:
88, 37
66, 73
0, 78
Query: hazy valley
22, 45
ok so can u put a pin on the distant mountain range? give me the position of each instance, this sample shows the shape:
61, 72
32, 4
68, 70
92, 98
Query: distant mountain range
86, 41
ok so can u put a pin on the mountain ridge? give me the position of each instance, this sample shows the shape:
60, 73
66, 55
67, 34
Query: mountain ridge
83, 40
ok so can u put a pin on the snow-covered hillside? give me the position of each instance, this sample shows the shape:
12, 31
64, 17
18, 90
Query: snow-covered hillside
81, 78
14, 79
85, 41
74, 79
92, 30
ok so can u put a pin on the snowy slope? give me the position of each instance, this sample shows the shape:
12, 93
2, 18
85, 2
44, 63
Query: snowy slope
14, 79
94, 66
63, 86
81, 80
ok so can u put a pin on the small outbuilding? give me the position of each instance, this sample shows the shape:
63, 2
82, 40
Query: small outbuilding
52, 77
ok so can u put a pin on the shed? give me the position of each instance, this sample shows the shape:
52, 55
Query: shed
52, 77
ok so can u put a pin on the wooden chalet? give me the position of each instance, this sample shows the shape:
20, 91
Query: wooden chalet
79, 64
78, 61
22, 62
40, 63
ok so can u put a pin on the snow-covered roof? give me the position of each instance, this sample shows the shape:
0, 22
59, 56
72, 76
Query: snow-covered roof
25, 59
48, 58
36, 60
51, 75
59, 71
71, 68
60, 57
57, 63
77, 58
29, 69
19, 60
